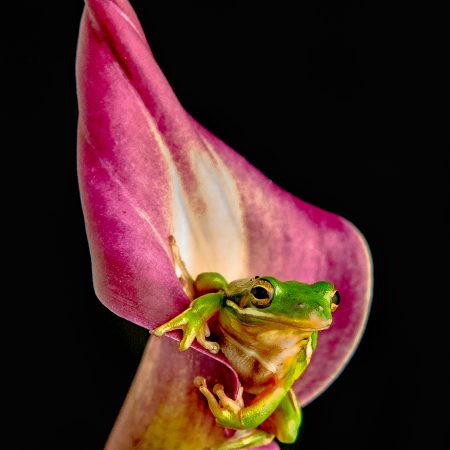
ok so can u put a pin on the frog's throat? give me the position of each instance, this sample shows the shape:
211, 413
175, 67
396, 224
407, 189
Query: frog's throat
270, 362
268, 317
272, 346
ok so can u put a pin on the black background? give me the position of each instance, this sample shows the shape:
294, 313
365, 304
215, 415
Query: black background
328, 102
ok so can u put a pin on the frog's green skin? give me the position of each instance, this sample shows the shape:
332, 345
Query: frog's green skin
268, 331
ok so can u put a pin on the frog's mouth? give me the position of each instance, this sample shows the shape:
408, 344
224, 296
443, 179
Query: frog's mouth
312, 324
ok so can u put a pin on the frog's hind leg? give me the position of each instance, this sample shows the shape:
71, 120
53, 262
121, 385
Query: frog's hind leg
187, 282
247, 439
205, 283
285, 421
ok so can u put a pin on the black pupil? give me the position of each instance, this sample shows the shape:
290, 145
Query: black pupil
336, 298
260, 293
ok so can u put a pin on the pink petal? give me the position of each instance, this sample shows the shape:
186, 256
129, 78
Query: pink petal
147, 170
149, 420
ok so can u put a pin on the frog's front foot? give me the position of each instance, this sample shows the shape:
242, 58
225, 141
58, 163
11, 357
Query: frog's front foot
225, 409
193, 328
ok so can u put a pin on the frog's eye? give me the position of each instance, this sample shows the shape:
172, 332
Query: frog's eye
335, 300
262, 294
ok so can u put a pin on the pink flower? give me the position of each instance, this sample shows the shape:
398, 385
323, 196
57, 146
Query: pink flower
147, 170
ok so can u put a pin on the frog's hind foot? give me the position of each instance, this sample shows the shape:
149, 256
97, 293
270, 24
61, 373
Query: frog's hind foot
247, 439
225, 409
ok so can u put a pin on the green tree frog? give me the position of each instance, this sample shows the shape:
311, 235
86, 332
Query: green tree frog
268, 331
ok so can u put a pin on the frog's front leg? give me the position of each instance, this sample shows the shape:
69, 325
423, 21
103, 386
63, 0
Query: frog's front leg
194, 322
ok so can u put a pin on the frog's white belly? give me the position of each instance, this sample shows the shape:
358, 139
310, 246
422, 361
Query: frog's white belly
263, 352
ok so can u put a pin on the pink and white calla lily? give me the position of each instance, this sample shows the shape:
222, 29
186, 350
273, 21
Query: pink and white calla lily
147, 171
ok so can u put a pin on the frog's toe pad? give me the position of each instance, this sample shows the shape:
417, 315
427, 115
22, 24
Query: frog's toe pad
200, 382
213, 347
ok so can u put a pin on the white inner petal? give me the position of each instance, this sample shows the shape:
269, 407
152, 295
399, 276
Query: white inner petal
214, 240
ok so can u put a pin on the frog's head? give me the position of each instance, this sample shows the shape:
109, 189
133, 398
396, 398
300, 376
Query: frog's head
294, 304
